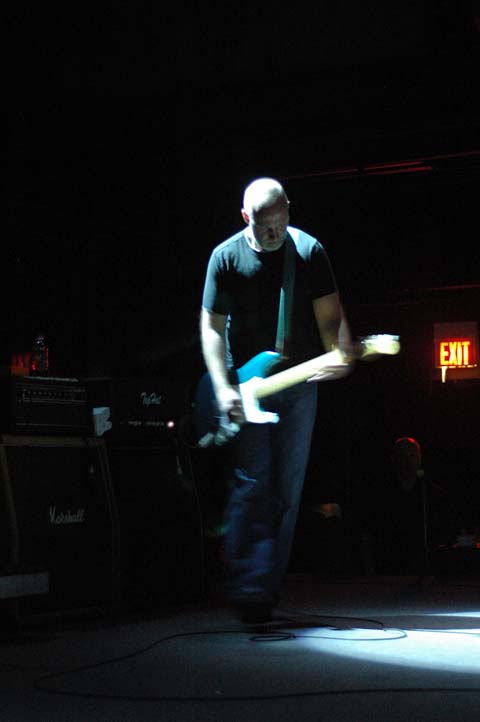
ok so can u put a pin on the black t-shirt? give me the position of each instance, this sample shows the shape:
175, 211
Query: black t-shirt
245, 285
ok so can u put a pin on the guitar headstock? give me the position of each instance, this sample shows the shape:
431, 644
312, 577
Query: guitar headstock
385, 344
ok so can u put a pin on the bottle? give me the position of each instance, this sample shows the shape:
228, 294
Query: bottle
39, 356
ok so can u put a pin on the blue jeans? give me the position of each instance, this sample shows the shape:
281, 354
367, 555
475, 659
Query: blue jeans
270, 461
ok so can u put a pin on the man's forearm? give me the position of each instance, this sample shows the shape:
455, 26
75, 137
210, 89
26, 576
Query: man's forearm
214, 355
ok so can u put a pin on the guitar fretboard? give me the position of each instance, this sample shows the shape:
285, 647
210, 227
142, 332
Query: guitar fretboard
371, 346
296, 374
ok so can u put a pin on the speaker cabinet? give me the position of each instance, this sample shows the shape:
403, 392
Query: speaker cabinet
59, 517
161, 557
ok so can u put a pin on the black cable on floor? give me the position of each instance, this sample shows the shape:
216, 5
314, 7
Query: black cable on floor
276, 632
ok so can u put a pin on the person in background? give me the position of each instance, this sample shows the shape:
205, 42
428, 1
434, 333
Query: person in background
415, 515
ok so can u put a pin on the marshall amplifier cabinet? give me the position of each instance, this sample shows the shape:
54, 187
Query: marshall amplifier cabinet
59, 519
44, 405
160, 521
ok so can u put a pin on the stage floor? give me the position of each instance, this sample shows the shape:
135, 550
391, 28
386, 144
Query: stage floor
348, 648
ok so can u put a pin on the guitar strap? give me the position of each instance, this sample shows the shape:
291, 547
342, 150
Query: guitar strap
286, 296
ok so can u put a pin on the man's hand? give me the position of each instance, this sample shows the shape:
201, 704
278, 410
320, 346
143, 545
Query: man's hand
334, 371
230, 404
335, 365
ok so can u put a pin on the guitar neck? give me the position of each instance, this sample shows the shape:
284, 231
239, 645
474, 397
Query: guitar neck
296, 374
372, 346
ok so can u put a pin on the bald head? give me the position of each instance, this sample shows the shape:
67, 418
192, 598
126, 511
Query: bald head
266, 213
263, 193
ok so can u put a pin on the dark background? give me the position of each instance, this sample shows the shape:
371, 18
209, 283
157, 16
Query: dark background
133, 129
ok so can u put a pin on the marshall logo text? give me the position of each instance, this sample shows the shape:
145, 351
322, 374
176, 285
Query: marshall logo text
66, 517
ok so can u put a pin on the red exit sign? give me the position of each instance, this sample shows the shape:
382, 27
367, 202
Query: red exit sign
456, 345
456, 353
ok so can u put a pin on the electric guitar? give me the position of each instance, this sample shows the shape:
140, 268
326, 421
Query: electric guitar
213, 429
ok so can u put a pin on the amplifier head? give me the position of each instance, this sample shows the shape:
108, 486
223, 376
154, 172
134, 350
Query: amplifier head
148, 404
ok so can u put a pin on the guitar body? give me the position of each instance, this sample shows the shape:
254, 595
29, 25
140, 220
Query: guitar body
207, 423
